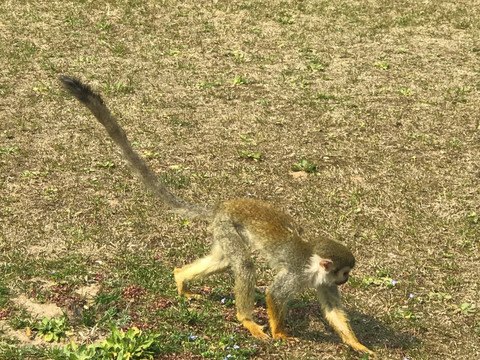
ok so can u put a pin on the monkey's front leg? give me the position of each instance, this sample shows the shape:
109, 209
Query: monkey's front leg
331, 303
277, 296
244, 272
276, 317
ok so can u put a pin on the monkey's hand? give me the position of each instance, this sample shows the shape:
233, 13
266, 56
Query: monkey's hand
363, 349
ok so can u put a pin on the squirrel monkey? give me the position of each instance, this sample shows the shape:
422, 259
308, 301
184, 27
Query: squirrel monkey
240, 227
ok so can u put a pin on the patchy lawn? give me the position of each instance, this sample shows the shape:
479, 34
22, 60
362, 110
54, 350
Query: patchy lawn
360, 118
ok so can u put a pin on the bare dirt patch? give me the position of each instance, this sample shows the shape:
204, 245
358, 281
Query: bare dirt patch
23, 336
47, 310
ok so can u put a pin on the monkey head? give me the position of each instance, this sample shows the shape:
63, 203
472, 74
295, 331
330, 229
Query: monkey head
330, 263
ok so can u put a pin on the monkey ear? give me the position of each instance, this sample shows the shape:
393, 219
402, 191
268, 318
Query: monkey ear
326, 264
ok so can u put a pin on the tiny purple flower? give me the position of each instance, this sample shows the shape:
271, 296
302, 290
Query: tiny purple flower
192, 337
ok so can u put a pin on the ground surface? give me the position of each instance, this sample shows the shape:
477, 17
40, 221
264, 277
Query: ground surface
223, 98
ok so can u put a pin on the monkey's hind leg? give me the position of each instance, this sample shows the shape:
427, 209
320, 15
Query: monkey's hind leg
213, 263
236, 249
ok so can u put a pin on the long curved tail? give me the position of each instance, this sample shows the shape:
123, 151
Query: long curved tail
95, 104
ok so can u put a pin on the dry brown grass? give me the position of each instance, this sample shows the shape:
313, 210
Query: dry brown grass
382, 95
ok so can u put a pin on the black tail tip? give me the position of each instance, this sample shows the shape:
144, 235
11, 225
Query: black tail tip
74, 86
70, 82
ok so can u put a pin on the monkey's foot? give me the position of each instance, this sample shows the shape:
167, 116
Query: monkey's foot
190, 295
255, 329
181, 287
282, 335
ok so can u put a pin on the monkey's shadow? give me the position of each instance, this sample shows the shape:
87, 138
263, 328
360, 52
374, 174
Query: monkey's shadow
305, 321
369, 330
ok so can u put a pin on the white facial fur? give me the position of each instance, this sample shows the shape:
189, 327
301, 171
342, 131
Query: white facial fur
320, 271
317, 273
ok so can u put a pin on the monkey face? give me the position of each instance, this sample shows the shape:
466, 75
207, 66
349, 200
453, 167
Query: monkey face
341, 275
323, 272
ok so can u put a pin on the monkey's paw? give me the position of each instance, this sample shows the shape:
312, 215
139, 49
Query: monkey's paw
260, 335
280, 335
361, 348
255, 329
191, 296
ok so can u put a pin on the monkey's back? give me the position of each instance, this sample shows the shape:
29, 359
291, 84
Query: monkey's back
267, 228
260, 217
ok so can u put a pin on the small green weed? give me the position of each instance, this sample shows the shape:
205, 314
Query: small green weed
467, 308
305, 165
9, 150
405, 91
439, 296
4, 89
119, 50
404, 313
191, 316
133, 344
21, 320
323, 96
458, 94
13, 351
119, 86
384, 65
473, 217
252, 155
51, 329
286, 18
454, 143
107, 298
406, 19
72, 20
104, 25
246, 138
381, 278
208, 84
240, 80
107, 164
